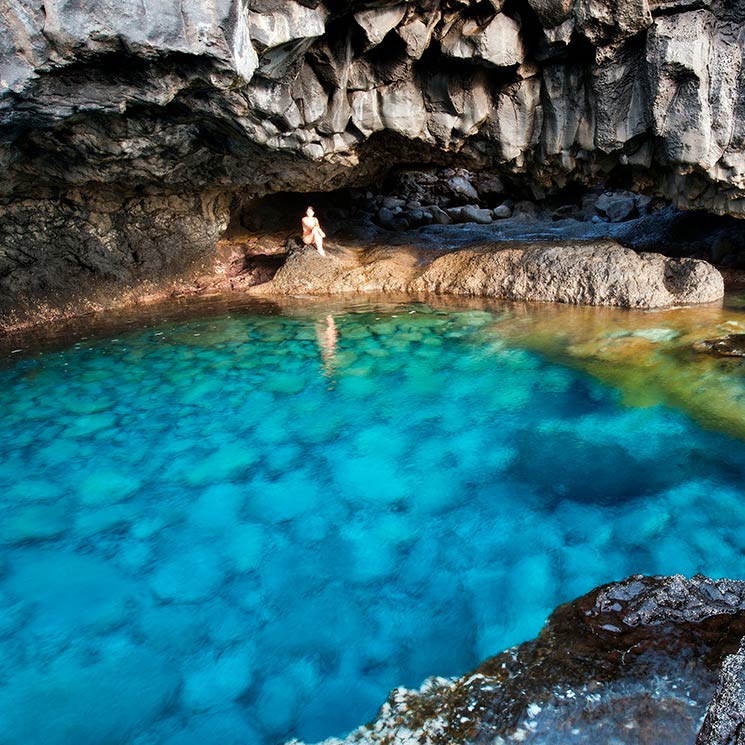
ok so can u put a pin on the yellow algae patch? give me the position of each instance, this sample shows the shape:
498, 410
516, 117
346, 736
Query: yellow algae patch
647, 356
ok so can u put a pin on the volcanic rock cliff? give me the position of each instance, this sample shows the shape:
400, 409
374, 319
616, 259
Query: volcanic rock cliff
129, 129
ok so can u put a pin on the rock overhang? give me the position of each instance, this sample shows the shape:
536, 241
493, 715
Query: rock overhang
545, 90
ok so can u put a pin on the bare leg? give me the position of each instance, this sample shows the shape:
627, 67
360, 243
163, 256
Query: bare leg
318, 240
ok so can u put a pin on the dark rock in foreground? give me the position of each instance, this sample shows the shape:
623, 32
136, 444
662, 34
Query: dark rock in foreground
725, 720
590, 273
630, 662
732, 345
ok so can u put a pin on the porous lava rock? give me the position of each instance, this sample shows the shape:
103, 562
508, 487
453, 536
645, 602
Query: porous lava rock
123, 121
634, 661
725, 718
580, 272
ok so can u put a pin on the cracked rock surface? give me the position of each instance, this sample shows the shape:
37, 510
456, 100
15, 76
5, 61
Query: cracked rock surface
579, 272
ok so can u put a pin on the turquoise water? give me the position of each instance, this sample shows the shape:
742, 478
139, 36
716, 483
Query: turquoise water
245, 529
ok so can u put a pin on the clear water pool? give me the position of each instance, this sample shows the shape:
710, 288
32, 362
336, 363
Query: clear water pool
247, 528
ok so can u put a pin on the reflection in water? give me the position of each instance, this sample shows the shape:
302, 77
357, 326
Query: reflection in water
328, 337
273, 566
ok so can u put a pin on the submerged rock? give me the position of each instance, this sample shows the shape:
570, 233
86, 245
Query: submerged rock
591, 273
732, 345
633, 661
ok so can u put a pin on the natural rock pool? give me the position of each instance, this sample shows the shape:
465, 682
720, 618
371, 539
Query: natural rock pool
248, 527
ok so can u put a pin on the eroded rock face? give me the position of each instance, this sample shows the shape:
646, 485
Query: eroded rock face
154, 98
725, 718
69, 249
599, 273
631, 662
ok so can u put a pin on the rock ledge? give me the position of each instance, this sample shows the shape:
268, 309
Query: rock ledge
589, 273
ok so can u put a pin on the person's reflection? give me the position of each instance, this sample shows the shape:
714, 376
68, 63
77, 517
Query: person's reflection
328, 337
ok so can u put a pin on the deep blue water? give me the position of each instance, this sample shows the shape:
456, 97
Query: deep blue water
244, 529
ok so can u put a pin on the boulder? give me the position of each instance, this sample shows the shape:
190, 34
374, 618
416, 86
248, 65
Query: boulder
439, 215
461, 187
617, 207
590, 674
392, 202
502, 212
470, 213
578, 272
384, 217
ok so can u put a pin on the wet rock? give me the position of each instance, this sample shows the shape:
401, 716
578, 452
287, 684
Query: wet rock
732, 345
189, 576
392, 202
600, 660
218, 680
401, 223
54, 582
35, 522
384, 218
502, 212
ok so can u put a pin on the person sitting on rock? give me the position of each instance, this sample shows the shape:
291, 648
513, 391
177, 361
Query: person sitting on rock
312, 232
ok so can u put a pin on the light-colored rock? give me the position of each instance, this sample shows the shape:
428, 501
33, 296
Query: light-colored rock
591, 273
497, 43
470, 213
377, 22
295, 21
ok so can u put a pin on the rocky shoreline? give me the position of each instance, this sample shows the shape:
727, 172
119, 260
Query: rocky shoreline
588, 273
652, 660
